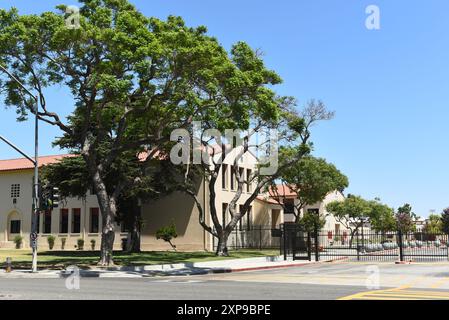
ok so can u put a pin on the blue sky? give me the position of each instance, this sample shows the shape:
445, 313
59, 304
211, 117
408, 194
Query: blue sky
388, 87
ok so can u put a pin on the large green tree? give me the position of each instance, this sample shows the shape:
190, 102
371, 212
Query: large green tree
434, 224
133, 79
355, 211
261, 114
311, 179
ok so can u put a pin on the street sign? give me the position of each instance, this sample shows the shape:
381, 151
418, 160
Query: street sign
33, 236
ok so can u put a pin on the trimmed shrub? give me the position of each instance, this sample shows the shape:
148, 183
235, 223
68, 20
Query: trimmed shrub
18, 240
51, 242
80, 244
92, 244
167, 234
63, 241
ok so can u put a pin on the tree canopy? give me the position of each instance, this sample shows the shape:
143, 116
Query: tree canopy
405, 218
134, 79
354, 211
310, 178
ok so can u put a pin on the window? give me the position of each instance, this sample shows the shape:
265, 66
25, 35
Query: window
15, 191
64, 221
289, 206
245, 222
240, 221
232, 178
313, 211
94, 220
337, 229
14, 226
47, 222
242, 175
76, 220
249, 217
248, 180
224, 209
275, 221
224, 176
124, 227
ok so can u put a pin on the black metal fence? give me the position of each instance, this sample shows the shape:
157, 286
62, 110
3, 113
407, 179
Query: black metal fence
359, 246
383, 246
256, 237
362, 245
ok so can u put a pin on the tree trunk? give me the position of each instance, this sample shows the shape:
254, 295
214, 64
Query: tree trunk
351, 240
107, 243
108, 210
222, 247
134, 240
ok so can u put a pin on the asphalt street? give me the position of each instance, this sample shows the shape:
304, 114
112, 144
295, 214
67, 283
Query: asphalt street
327, 281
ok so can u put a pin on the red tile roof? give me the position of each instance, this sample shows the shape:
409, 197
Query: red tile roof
25, 164
282, 191
267, 200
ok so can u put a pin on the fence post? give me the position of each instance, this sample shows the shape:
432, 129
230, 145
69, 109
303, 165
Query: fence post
401, 252
358, 246
317, 244
260, 237
309, 246
284, 235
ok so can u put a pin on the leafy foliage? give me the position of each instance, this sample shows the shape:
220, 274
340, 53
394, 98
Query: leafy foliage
311, 221
445, 221
310, 178
405, 217
18, 240
51, 241
354, 210
434, 224
133, 79
168, 233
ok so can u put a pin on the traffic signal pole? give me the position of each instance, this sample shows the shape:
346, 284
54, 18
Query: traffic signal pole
35, 209
35, 215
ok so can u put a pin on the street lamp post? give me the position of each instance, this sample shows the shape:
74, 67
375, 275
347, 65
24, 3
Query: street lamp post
35, 209
363, 234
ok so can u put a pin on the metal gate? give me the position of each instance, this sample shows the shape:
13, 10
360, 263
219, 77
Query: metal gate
296, 242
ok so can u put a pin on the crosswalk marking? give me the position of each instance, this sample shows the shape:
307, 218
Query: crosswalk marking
399, 294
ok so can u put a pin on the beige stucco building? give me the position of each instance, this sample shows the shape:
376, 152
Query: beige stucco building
74, 218
80, 218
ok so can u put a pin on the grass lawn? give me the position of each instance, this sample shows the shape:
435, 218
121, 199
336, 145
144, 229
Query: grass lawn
60, 259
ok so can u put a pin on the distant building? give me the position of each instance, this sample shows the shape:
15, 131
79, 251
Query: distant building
420, 224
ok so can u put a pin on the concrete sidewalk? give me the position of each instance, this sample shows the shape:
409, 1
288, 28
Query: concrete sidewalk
179, 269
